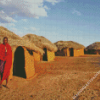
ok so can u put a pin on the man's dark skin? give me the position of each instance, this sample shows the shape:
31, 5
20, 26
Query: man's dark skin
5, 41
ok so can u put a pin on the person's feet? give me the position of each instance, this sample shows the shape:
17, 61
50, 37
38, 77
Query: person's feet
6, 86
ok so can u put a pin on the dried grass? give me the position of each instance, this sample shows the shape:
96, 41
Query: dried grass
40, 42
94, 46
68, 44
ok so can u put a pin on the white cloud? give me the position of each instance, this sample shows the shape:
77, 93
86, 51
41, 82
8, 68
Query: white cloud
2, 24
5, 18
7, 24
25, 20
46, 7
53, 1
33, 28
76, 12
26, 8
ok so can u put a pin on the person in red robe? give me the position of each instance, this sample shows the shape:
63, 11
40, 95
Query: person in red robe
5, 60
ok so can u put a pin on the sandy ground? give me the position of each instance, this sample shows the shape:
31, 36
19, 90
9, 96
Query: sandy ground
57, 80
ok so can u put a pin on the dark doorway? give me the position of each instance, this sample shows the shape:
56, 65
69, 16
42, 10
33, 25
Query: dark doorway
71, 52
45, 55
19, 63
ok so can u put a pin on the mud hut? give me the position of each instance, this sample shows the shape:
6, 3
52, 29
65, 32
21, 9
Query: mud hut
23, 61
69, 48
43, 43
93, 48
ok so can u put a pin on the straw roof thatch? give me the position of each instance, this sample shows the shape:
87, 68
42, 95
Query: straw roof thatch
5, 32
68, 44
40, 42
15, 40
94, 46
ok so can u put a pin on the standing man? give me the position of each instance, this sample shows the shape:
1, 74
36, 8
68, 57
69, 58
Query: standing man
5, 60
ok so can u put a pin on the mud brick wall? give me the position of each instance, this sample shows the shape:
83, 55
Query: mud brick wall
78, 52
36, 56
50, 55
81, 52
29, 64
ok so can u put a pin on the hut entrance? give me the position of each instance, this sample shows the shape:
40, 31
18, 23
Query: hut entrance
71, 52
19, 63
45, 55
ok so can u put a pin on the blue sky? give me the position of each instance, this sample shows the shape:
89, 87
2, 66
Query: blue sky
68, 20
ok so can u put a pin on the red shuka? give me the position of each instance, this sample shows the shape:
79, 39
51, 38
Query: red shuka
7, 58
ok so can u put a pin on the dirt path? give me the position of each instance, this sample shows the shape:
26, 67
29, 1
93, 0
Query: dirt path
57, 80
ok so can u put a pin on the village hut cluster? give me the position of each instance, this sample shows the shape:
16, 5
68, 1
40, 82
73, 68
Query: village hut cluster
43, 43
33, 48
25, 52
69, 48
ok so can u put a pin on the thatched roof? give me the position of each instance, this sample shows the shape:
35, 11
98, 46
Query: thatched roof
40, 42
94, 46
68, 44
5, 32
15, 40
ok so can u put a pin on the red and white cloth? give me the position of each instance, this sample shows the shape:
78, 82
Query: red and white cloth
6, 55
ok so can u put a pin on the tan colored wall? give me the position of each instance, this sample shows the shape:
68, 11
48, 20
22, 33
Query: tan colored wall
50, 55
81, 52
78, 52
29, 64
36, 56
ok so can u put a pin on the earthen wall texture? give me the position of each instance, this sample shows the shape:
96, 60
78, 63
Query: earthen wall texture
50, 55
36, 56
29, 64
